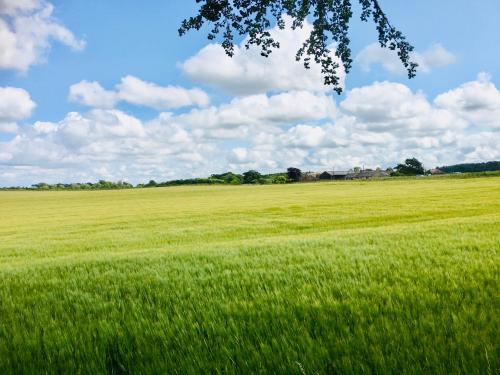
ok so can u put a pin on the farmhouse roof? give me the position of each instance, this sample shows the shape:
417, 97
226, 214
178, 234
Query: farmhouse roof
337, 173
436, 171
368, 173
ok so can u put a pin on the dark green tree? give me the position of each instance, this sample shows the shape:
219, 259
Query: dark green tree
294, 174
229, 178
251, 177
411, 167
472, 167
330, 21
279, 180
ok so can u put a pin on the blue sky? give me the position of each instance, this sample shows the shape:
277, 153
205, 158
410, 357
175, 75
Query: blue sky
162, 103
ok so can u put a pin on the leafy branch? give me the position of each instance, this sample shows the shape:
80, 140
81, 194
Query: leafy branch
330, 24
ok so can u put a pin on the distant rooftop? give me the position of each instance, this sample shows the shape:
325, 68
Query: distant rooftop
338, 173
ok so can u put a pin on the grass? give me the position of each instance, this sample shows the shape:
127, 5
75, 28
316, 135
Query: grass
393, 276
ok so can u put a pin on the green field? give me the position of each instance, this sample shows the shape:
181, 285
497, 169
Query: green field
392, 276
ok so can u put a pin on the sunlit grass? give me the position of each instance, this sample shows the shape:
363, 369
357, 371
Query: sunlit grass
396, 276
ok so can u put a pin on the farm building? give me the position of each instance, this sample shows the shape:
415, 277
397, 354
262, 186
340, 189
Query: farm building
334, 175
436, 171
345, 175
309, 176
368, 173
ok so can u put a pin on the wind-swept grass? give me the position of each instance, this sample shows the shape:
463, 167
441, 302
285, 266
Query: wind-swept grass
393, 276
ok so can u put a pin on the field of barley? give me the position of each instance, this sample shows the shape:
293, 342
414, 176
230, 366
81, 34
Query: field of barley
391, 276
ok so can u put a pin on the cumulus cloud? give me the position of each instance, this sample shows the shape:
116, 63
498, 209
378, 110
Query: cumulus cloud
368, 149
92, 94
102, 143
15, 105
477, 101
26, 30
376, 125
434, 57
393, 106
254, 110
8, 127
247, 72
138, 92
305, 136
380, 125
12, 7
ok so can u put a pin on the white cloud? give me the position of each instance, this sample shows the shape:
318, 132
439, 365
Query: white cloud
384, 101
12, 7
376, 125
102, 144
434, 57
477, 102
385, 106
357, 148
15, 104
241, 159
8, 127
26, 29
255, 110
92, 94
136, 91
247, 72
372, 138
304, 136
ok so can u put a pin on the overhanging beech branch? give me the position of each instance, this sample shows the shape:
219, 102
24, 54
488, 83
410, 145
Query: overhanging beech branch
330, 24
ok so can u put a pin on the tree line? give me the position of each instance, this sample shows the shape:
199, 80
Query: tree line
490, 166
410, 167
228, 178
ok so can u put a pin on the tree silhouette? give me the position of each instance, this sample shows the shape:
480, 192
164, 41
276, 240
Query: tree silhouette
294, 174
411, 167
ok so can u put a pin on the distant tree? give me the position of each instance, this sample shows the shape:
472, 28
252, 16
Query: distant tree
102, 184
229, 178
264, 181
279, 180
357, 169
472, 167
125, 185
411, 167
151, 183
41, 186
251, 177
294, 174
330, 25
